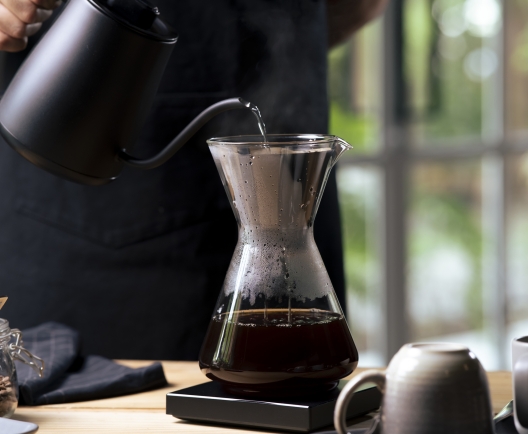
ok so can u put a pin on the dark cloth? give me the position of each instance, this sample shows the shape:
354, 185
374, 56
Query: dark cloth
506, 426
69, 377
146, 255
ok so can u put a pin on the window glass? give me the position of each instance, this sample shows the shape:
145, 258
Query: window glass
445, 256
353, 87
517, 251
516, 66
359, 194
450, 62
461, 60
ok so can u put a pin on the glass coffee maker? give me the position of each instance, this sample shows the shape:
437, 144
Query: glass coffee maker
277, 329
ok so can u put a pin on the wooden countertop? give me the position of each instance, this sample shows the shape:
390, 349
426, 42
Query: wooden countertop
145, 412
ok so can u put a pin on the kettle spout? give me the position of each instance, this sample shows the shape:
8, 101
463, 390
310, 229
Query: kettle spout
340, 146
182, 138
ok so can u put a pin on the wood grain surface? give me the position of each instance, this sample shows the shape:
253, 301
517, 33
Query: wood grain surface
145, 412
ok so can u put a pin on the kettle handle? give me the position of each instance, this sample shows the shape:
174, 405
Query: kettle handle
182, 138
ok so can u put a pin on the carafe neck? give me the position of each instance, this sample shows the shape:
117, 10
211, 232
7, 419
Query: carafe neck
275, 237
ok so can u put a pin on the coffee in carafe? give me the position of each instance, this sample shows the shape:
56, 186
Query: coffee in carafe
278, 328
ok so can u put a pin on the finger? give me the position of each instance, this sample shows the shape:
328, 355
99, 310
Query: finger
47, 4
31, 29
27, 11
10, 44
12, 26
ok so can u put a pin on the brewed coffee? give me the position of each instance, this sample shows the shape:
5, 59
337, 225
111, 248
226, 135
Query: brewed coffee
277, 352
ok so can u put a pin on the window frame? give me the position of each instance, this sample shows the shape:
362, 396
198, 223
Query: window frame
395, 158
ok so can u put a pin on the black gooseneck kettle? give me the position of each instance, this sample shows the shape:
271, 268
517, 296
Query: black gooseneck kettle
82, 95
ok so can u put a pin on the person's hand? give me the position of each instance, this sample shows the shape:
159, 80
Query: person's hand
20, 19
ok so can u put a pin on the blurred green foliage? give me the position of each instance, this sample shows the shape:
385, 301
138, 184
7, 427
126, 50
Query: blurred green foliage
356, 129
352, 125
519, 58
442, 103
357, 251
449, 215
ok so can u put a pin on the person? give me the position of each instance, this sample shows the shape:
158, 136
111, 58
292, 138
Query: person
136, 266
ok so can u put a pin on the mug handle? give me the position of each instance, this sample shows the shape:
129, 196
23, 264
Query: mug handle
520, 394
371, 376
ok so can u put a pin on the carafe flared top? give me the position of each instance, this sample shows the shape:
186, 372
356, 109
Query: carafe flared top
278, 183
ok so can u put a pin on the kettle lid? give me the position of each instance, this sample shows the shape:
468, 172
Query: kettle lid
138, 15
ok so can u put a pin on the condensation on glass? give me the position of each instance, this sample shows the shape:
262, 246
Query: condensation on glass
277, 328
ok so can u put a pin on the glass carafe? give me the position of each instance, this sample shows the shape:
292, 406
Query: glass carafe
278, 328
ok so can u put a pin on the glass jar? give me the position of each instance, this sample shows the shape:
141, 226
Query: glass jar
11, 349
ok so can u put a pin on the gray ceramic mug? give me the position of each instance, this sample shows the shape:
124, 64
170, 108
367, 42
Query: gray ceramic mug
428, 388
520, 383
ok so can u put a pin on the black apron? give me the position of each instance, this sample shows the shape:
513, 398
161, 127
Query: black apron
136, 266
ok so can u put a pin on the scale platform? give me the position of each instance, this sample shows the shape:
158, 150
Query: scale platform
209, 403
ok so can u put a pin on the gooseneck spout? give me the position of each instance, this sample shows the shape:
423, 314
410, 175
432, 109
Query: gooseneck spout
182, 138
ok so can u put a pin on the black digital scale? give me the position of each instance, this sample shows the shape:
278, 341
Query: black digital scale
209, 403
